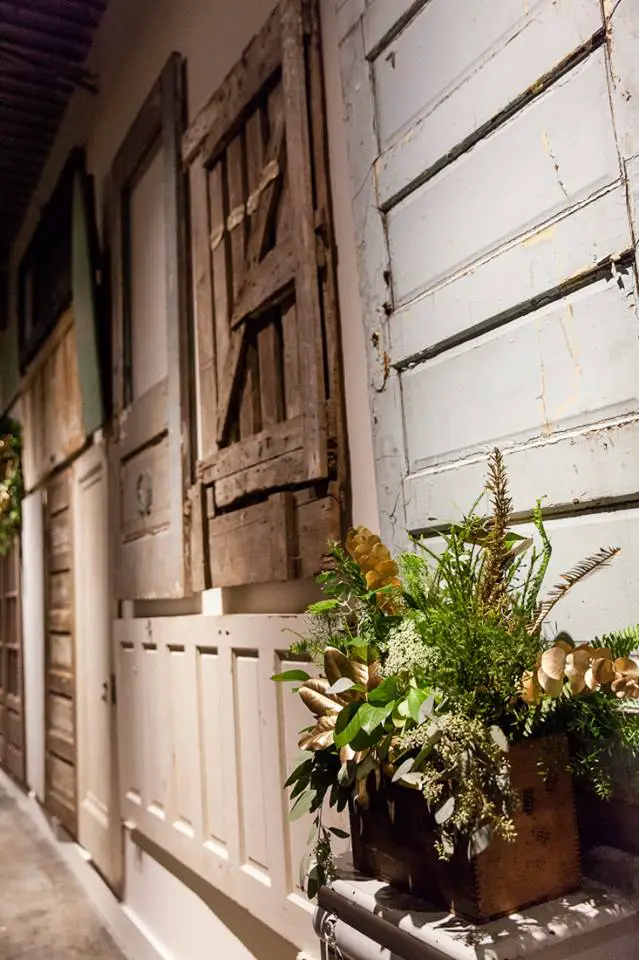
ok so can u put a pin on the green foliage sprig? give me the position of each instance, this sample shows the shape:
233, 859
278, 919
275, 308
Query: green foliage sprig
433, 663
11, 485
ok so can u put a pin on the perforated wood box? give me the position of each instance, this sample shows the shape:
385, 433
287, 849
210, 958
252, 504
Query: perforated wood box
394, 841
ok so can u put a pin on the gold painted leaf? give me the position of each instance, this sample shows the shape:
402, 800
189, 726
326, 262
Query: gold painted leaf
317, 703
579, 659
553, 663
549, 685
590, 679
387, 568
603, 670
530, 691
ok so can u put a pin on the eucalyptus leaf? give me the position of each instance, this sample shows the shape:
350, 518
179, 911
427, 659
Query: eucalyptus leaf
341, 685
415, 700
371, 717
499, 737
402, 769
301, 806
348, 725
426, 709
322, 606
290, 675
303, 770
445, 812
385, 692
341, 834
412, 779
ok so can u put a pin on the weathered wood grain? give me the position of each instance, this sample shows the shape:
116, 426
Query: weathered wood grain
216, 120
301, 189
204, 309
289, 468
269, 443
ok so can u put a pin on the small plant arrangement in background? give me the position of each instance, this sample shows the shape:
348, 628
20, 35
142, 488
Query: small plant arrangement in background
434, 663
11, 488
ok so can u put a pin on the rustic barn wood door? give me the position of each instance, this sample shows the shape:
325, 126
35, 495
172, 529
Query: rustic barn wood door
60, 686
151, 455
271, 458
98, 816
12, 751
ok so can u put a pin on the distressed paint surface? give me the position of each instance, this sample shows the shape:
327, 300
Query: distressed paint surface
556, 152
495, 188
527, 379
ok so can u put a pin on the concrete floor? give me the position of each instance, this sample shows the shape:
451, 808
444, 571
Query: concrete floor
44, 913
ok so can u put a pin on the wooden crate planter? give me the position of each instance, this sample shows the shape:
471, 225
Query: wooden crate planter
394, 841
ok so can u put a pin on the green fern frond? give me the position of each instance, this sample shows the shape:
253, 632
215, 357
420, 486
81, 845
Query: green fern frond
579, 572
621, 643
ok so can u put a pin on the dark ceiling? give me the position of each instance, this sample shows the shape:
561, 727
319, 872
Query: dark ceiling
43, 47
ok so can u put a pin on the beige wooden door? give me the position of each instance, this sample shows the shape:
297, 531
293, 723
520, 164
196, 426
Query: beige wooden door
60, 687
98, 818
150, 455
12, 753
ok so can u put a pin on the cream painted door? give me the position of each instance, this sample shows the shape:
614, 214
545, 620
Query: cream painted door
99, 829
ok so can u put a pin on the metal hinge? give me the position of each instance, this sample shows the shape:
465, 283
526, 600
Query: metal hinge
114, 698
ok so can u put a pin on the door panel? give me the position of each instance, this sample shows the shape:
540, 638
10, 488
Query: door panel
98, 817
150, 460
60, 685
12, 752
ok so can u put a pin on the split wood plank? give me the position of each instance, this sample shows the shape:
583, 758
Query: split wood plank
236, 225
219, 240
263, 219
301, 187
266, 283
204, 310
267, 353
273, 442
278, 472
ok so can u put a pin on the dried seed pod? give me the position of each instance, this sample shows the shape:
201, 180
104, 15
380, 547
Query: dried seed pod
530, 690
603, 670
576, 679
590, 679
553, 662
579, 659
549, 685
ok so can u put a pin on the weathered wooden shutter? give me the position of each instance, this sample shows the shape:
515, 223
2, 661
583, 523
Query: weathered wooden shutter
271, 459
151, 454
83, 282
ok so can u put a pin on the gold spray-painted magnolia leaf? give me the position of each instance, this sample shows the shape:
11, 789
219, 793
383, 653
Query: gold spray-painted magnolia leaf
321, 736
318, 703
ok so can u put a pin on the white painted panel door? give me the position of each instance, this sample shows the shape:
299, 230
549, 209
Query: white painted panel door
99, 828
33, 637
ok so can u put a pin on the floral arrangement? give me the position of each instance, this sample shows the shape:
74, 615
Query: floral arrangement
11, 488
432, 663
